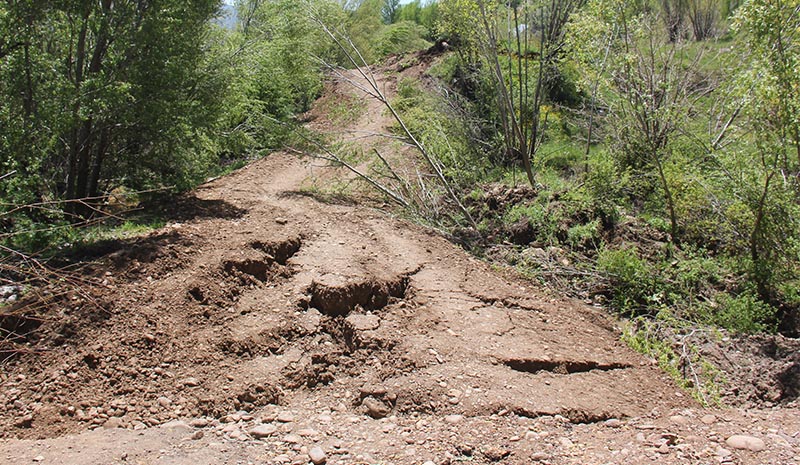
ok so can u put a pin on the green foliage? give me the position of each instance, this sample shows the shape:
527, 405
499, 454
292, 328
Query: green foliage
438, 128
635, 284
683, 362
401, 37
744, 313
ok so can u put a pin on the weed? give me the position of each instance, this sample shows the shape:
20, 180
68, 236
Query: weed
661, 339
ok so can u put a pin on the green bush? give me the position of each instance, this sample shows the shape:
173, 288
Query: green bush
402, 37
744, 313
633, 279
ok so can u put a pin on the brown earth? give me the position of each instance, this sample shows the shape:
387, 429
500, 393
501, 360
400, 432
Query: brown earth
261, 323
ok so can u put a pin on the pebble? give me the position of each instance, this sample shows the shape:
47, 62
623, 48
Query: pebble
375, 408
191, 382
453, 419
38, 458
317, 455
539, 456
495, 454
429, 462
305, 432
164, 402
708, 419
285, 417
740, 441
292, 439
613, 423
197, 435
198, 423
263, 431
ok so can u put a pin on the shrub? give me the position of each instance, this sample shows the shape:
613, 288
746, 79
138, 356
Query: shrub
744, 313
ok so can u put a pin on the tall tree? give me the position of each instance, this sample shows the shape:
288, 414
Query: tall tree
104, 85
389, 11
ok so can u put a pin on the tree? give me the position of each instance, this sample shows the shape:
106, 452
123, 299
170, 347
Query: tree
703, 16
118, 84
771, 190
651, 86
521, 44
389, 11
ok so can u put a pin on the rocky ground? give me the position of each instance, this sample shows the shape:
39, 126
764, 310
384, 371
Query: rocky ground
264, 326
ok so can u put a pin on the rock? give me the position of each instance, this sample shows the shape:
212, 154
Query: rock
306, 432
453, 419
191, 382
566, 442
375, 408
263, 431
465, 449
164, 402
285, 417
495, 454
539, 456
112, 423
38, 458
613, 423
229, 428
280, 220
429, 462
740, 441
197, 435
678, 419
25, 421
177, 425
292, 439
198, 423
317, 455
663, 449
708, 419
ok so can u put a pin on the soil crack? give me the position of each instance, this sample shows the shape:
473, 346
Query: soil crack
565, 367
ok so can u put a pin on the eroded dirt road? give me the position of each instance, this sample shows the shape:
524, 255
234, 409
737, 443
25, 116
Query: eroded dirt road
262, 324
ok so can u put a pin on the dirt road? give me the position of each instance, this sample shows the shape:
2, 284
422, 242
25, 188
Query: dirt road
264, 326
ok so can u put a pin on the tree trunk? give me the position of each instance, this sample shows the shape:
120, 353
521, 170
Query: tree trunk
76, 140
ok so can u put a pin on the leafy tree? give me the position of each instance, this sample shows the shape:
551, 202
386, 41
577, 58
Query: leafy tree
97, 86
389, 11
770, 191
